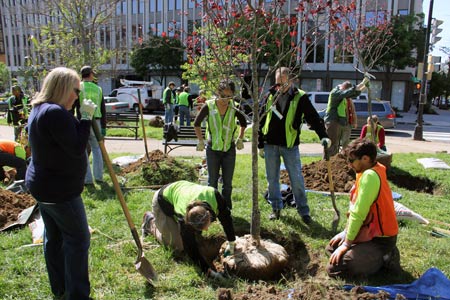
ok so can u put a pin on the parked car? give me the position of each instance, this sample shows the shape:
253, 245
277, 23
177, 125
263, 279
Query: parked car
386, 115
113, 105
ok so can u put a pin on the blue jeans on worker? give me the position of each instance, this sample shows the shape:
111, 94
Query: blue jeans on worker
217, 160
66, 247
168, 113
97, 159
291, 158
184, 115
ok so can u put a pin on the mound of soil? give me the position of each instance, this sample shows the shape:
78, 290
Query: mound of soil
316, 175
12, 204
159, 169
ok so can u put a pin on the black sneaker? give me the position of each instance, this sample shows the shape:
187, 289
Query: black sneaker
146, 223
307, 219
275, 215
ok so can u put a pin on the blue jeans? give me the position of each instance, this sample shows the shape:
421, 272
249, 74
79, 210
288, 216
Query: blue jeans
216, 160
184, 115
66, 247
168, 113
291, 158
97, 159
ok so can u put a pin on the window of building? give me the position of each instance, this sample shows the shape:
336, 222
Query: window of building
171, 4
159, 5
403, 12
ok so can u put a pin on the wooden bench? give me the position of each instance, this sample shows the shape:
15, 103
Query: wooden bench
123, 120
186, 137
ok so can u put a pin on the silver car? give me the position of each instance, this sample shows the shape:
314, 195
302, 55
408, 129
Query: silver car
386, 115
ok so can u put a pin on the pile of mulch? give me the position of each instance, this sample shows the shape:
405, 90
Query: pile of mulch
11, 205
316, 175
159, 169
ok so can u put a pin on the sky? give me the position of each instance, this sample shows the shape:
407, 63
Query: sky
441, 11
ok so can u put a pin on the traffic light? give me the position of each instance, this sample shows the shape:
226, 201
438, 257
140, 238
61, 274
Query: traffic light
435, 30
418, 86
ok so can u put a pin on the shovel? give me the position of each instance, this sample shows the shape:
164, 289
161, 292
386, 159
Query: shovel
142, 265
336, 217
143, 126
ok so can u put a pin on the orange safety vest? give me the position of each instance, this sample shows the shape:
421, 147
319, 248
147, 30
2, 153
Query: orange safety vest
381, 219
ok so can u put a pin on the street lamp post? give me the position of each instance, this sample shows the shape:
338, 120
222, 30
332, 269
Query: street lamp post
418, 130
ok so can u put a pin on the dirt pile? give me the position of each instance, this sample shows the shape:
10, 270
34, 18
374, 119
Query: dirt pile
316, 175
159, 169
11, 205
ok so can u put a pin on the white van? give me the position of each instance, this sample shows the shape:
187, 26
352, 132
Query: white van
150, 95
320, 99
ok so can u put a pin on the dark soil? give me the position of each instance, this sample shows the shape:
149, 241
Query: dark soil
11, 205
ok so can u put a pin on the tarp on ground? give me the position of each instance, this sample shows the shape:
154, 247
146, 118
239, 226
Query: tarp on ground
432, 285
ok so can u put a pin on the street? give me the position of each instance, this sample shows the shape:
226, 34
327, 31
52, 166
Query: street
436, 133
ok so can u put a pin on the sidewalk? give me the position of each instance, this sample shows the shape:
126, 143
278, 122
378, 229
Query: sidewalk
442, 118
394, 144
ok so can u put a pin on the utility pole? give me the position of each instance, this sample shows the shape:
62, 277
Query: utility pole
418, 130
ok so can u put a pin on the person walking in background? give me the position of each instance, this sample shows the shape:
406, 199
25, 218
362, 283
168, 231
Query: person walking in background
352, 123
55, 178
369, 240
168, 101
220, 133
14, 155
184, 106
181, 211
17, 114
91, 91
336, 119
279, 136
378, 132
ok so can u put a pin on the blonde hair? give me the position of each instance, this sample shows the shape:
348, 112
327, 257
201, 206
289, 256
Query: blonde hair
197, 215
57, 86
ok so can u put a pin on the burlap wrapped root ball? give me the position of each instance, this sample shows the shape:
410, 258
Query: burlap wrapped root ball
255, 263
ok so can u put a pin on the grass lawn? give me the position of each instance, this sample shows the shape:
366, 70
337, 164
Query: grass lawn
113, 252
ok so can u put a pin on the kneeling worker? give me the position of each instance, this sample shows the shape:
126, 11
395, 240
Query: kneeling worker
369, 241
181, 211
13, 154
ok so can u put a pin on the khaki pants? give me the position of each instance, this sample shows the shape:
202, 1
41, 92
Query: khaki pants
362, 259
335, 132
164, 228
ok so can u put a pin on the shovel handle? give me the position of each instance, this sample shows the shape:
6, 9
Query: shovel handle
116, 184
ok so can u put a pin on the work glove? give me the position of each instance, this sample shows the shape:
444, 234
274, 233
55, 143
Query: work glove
326, 142
215, 275
103, 130
87, 109
200, 145
229, 250
365, 81
239, 144
261, 152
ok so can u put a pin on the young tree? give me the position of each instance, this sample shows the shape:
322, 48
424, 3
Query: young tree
368, 38
4, 77
158, 54
255, 38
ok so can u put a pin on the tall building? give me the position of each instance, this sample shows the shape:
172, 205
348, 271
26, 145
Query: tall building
132, 20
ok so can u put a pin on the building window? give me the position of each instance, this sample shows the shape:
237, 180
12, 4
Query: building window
159, 5
171, 4
403, 12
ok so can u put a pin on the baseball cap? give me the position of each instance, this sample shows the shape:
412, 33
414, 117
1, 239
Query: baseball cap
86, 71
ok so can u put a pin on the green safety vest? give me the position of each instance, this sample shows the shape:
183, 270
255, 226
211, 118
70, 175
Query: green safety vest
90, 90
291, 132
24, 104
165, 93
220, 132
183, 99
369, 132
181, 193
341, 109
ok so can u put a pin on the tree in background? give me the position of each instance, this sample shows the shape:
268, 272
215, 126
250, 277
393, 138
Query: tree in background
4, 78
158, 55
66, 33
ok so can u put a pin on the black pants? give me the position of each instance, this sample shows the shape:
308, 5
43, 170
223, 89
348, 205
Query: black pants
13, 161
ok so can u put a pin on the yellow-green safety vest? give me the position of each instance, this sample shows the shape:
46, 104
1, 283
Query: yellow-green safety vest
220, 132
90, 90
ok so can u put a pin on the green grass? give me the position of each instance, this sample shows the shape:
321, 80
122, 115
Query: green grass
112, 273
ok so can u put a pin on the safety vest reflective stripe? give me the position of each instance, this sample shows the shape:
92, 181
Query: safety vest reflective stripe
221, 132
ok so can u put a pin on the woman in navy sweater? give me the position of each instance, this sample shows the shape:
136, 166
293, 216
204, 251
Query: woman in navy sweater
55, 178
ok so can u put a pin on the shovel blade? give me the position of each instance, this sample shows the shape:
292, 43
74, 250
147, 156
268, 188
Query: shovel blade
145, 268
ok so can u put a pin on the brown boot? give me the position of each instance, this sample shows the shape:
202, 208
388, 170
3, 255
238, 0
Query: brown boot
275, 215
